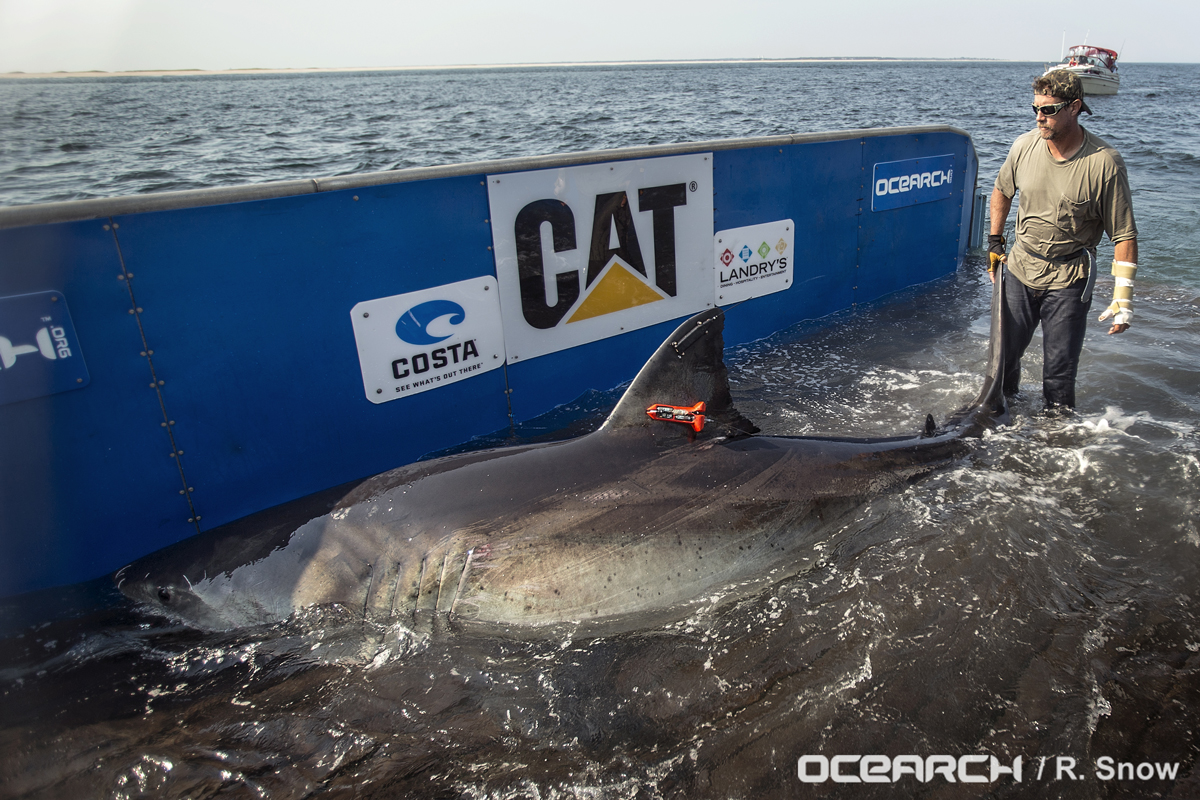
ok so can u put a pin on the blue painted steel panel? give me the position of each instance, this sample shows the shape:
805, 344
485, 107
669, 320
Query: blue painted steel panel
86, 477
914, 244
819, 186
542, 383
247, 309
248, 339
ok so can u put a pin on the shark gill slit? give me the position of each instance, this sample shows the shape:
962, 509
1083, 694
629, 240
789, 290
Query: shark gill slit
420, 588
462, 579
367, 593
395, 591
451, 571
437, 603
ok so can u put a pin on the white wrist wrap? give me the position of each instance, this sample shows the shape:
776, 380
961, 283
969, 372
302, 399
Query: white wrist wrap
1121, 308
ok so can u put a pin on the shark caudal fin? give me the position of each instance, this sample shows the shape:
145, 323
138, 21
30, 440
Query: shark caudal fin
990, 408
687, 369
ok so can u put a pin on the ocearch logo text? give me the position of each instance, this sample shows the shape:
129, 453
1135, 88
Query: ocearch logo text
888, 769
907, 183
897, 184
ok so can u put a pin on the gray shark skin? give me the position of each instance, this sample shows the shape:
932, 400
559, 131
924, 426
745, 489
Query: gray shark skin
629, 527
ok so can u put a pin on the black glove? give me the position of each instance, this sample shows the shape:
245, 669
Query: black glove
996, 245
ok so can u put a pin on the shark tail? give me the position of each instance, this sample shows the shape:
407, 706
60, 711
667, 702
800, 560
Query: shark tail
990, 408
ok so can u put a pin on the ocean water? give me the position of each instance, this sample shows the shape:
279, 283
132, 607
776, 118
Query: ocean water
1038, 599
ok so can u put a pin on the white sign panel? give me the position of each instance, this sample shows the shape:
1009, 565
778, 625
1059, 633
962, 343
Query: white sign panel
754, 260
587, 252
410, 343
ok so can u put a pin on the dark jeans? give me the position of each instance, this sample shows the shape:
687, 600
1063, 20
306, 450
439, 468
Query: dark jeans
1063, 319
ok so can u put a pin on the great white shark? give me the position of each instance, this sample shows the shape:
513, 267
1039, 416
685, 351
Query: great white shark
630, 526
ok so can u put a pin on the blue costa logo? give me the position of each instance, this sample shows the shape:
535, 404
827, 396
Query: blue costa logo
413, 325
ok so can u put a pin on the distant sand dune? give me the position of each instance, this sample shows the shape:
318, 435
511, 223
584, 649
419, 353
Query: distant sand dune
161, 73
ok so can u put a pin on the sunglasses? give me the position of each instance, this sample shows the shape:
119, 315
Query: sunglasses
1052, 109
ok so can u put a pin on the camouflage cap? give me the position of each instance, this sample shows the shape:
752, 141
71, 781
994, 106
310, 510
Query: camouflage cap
1063, 84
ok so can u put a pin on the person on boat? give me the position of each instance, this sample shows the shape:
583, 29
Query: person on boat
1074, 189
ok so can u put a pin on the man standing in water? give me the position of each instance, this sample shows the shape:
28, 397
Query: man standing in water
1073, 190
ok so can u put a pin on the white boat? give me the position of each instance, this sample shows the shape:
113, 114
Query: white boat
1095, 66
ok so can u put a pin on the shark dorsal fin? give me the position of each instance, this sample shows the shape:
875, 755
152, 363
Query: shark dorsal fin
687, 368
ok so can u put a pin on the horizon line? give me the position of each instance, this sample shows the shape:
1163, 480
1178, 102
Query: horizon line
514, 65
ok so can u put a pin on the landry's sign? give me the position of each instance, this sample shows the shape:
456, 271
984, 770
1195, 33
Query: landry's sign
754, 260
583, 253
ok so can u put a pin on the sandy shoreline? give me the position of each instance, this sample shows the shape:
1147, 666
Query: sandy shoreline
164, 73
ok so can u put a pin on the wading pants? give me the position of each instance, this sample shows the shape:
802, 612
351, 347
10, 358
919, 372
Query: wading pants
1063, 318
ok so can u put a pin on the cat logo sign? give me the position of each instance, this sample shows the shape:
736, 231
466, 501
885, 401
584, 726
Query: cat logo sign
587, 252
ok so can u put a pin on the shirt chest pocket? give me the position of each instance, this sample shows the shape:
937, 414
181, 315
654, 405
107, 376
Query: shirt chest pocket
1076, 216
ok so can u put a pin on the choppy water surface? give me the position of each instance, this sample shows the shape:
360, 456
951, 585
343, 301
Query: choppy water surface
1036, 599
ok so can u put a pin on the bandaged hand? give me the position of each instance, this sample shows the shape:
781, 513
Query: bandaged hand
996, 247
1121, 308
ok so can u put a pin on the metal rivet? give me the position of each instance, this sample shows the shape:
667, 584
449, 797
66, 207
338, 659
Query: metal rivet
355, 197
160, 383
163, 424
79, 380
151, 384
115, 226
379, 391
139, 309
120, 277
107, 228
366, 314
131, 311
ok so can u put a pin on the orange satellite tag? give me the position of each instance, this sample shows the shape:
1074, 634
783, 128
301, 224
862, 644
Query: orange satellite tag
693, 416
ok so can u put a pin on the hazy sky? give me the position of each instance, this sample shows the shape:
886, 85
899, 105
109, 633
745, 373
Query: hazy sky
110, 35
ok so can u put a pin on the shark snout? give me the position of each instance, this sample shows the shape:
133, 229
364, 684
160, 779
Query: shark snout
173, 598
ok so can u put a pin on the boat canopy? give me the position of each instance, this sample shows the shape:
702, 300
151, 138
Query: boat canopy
1086, 54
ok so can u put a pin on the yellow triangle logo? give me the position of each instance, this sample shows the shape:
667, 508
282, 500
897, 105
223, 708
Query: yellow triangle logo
617, 290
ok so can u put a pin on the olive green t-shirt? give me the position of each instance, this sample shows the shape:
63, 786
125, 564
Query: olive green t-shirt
1064, 208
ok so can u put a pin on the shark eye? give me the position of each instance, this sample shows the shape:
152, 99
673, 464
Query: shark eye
164, 594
